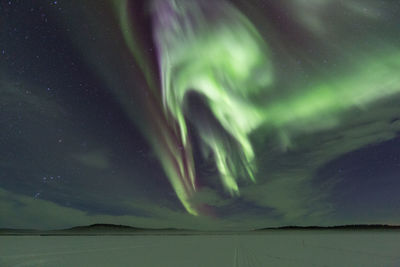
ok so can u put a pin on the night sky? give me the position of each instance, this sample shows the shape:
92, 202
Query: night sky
199, 114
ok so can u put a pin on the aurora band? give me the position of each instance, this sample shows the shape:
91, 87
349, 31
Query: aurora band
211, 56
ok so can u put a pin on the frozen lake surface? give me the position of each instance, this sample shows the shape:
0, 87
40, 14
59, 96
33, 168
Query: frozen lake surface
277, 248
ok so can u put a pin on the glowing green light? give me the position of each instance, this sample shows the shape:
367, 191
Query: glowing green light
216, 59
223, 58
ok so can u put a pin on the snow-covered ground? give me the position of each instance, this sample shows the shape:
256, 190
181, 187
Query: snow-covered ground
280, 248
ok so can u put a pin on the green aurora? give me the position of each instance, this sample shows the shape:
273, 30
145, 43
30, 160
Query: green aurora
216, 52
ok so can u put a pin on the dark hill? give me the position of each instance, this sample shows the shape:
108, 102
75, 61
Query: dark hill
338, 227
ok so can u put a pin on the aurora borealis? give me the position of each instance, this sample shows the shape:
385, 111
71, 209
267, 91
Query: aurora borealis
199, 114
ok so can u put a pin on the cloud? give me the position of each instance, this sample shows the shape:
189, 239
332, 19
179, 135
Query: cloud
313, 14
289, 181
17, 98
19, 211
211, 197
97, 159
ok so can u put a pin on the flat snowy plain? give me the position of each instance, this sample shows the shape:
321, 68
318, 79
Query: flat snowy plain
269, 248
